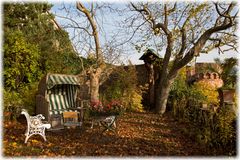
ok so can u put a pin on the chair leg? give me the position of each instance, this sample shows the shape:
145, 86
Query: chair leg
92, 125
26, 139
114, 124
44, 137
109, 126
43, 134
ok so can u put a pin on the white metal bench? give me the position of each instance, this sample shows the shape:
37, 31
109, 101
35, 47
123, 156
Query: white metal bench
35, 125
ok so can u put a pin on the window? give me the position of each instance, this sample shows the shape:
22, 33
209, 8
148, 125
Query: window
215, 76
208, 75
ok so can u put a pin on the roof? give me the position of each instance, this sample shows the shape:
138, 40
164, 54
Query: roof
148, 53
58, 79
207, 67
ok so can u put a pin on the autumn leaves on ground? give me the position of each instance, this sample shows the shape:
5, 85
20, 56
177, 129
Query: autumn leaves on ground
138, 134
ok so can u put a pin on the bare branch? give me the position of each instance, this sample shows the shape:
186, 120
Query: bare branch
76, 23
165, 15
226, 13
196, 49
216, 39
184, 43
173, 9
133, 34
146, 12
81, 8
180, 19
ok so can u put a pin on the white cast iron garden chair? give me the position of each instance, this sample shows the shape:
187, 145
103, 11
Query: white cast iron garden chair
35, 125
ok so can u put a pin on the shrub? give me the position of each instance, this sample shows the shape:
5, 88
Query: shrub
15, 101
208, 91
133, 102
21, 61
215, 130
225, 130
12, 104
114, 107
123, 86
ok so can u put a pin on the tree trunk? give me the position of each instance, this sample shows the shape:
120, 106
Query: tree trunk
94, 84
94, 73
151, 83
161, 95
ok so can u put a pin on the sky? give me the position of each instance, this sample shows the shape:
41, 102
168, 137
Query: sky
133, 55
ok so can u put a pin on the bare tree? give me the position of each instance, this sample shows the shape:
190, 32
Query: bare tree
94, 72
184, 30
85, 23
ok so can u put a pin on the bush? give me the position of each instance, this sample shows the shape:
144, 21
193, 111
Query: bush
208, 91
12, 105
182, 96
133, 102
225, 130
123, 87
15, 101
28, 96
215, 130
21, 61
114, 107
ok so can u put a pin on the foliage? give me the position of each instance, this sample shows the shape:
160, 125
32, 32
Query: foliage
12, 105
24, 98
63, 59
181, 94
28, 96
199, 92
208, 91
225, 130
123, 86
217, 130
214, 129
25, 16
134, 102
37, 25
114, 107
20, 61
33, 46
228, 71
179, 88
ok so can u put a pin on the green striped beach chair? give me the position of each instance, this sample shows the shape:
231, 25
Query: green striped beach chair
57, 93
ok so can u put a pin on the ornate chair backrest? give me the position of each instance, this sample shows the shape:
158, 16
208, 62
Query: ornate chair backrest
25, 113
33, 121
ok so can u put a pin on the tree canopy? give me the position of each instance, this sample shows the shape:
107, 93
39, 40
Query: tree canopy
183, 30
20, 61
33, 46
39, 28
